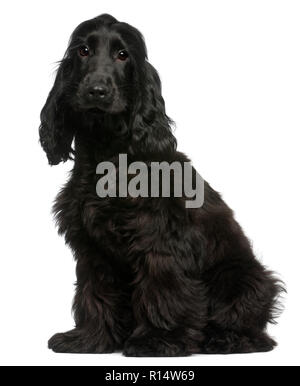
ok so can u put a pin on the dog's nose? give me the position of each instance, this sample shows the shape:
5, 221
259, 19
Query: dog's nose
99, 91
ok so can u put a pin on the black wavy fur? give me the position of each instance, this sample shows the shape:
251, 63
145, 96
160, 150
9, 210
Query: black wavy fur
153, 278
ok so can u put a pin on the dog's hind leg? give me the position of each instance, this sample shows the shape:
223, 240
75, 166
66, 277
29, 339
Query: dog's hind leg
242, 295
242, 300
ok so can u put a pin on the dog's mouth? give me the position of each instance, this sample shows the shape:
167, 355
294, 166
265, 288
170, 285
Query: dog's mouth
95, 110
92, 108
101, 110
112, 106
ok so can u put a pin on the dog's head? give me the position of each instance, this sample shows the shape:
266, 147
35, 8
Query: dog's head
104, 57
105, 72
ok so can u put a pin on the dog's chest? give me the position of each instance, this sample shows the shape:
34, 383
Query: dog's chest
111, 222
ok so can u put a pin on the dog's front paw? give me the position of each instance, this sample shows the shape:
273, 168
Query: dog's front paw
68, 342
153, 347
76, 341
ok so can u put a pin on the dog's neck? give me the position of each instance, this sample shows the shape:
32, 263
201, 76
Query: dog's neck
102, 137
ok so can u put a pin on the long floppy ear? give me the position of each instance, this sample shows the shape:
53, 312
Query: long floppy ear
151, 127
56, 130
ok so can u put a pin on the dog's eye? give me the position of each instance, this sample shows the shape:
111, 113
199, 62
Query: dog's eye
83, 51
122, 55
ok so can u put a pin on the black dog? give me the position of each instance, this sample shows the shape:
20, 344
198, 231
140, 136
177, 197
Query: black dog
153, 277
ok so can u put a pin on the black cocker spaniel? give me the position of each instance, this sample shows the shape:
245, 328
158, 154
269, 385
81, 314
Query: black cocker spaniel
154, 278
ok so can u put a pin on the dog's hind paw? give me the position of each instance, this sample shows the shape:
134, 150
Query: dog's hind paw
229, 342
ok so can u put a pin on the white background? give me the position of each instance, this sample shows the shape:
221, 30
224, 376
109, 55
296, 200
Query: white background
231, 80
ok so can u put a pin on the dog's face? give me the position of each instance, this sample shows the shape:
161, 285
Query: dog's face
105, 83
103, 60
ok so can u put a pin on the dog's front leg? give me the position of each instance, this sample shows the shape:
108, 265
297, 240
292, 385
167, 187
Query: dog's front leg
169, 308
101, 311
